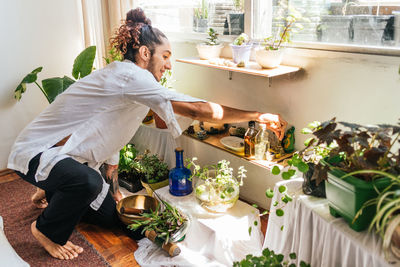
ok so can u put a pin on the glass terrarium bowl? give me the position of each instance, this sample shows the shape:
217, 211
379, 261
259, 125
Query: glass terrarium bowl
217, 196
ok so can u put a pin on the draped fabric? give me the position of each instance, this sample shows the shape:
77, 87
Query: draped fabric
316, 236
100, 20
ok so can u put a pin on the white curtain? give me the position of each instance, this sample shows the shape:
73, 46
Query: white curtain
100, 19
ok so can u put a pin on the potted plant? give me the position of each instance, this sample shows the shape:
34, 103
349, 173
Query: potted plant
241, 49
52, 87
351, 148
155, 173
129, 169
216, 187
211, 48
386, 221
200, 17
271, 53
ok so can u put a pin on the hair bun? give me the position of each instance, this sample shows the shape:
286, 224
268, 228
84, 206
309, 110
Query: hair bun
137, 16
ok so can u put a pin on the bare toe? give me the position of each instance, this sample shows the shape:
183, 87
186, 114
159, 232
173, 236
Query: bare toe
74, 247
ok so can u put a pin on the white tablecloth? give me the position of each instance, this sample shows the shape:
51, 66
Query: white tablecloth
316, 236
212, 239
159, 141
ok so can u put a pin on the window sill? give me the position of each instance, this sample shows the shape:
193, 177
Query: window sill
195, 38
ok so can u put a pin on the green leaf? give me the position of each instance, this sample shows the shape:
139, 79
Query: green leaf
250, 230
275, 170
29, 78
269, 193
275, 203
309, 141
292, 256
306, 131
83, 63
287, 175
282, 228
54, 86
303, 167
279, 212
255, 223
282, 189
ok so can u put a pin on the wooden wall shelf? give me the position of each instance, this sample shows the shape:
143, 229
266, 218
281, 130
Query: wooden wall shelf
213, 140
252, 68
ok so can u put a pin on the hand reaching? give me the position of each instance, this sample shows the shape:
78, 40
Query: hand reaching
275, 123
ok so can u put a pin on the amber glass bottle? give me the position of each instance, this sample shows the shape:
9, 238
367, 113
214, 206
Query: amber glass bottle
249, 140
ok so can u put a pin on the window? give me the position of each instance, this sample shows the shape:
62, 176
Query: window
196, 16
351, 22
355, 23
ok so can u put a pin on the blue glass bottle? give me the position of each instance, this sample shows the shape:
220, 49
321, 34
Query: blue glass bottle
179, 183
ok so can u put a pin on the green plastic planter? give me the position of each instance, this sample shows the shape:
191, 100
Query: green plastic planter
346, 197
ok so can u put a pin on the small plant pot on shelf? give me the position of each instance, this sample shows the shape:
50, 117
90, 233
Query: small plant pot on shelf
347, 195
209, 51
269, 59
241, 53
154, 186
160, 124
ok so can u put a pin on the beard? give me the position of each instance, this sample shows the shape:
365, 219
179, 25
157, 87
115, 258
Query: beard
152, 68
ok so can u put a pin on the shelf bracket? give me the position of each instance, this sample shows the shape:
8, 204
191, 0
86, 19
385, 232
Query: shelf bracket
230, 75
269, 81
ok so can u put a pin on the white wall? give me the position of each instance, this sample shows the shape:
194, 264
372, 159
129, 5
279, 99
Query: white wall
353, 87
33, 33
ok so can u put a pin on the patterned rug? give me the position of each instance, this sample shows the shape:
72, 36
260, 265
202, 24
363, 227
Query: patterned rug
18, 213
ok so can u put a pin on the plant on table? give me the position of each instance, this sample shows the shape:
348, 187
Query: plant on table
211, 48
130, 171
155, 172
169, 223
217, 189
269, 258
386, 221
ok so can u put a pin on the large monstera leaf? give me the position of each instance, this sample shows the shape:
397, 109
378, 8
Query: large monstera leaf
52, 87
83, 64
29, 78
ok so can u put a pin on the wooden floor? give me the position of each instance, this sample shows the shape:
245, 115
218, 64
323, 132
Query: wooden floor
116, 248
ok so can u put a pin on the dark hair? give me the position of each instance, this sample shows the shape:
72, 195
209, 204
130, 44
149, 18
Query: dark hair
135, 32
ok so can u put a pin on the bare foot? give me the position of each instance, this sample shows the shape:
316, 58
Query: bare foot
67, 252
39, 199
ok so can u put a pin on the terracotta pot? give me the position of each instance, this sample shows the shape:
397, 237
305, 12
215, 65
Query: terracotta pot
160, 124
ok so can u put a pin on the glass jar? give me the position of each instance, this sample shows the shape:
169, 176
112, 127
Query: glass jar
217, 195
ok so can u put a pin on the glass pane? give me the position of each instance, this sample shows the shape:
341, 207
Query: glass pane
355, 22
225, 16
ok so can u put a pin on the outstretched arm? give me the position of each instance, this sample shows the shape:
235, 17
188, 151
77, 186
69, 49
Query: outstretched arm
212, 112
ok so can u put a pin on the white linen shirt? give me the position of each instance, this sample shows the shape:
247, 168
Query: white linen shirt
101, 112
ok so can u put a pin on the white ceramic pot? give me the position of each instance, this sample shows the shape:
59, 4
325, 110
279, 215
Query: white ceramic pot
241, 53
209, 51
269, 58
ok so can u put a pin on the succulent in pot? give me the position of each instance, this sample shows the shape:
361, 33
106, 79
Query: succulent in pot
241, 49
211, 48
216, 188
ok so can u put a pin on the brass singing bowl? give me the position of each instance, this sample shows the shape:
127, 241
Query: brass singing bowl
140, 202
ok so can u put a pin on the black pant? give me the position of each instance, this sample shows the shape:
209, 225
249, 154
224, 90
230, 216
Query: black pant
70, 188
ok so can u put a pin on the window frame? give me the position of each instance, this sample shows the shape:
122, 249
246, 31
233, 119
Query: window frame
335, 47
